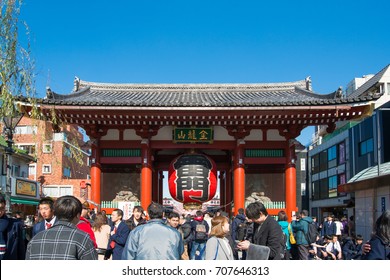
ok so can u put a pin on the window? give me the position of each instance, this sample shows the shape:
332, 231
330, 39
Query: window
315, 163
26, 129
332, 157
47, 148
60, 136
303, 164
332, 184
332, 153
67, 152
32, 169
67, 172
324, 191
16, 170
366, 147
316, 190
46, 169
29, 148
303, 189
324, 160
57, 191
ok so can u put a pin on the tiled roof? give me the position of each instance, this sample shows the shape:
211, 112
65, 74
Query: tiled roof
195, 95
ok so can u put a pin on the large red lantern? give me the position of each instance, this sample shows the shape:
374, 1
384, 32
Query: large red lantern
192, 180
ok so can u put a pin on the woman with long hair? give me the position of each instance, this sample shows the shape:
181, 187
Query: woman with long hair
217, 246
380, 242
102, 234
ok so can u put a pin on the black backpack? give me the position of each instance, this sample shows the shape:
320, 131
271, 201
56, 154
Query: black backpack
200, 231
312, 233
186, 230
241, 230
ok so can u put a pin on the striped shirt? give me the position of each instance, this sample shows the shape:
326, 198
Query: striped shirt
63, 241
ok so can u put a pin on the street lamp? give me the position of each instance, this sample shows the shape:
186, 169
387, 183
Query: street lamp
10, 124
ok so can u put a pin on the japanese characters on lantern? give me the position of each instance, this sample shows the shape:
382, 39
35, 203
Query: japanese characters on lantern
192, 179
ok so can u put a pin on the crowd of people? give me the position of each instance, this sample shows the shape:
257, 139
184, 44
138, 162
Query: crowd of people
70, 230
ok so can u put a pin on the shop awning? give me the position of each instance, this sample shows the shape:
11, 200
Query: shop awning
24, 201
369, 178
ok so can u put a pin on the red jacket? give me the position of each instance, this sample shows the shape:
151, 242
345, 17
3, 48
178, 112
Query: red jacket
85, 226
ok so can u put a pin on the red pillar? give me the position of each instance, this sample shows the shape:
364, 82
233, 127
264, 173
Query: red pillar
291, 181
146, 175
96, 173
239, 177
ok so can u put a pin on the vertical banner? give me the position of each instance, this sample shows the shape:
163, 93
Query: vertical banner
127, 208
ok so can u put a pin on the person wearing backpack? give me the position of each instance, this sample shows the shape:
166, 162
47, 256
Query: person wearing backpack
282, 221
239, 226
199, 229
300, 228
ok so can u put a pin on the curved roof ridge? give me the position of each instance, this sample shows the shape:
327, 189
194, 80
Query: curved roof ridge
192, 86
58, 96
309, 93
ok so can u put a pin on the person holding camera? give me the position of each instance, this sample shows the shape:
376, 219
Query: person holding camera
266, 232
300, 227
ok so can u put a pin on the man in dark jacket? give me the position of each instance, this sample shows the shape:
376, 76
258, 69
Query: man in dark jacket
352, 248
136, 219
11, 236
266, 232
185, 229
119, 234
329, 226
46, 211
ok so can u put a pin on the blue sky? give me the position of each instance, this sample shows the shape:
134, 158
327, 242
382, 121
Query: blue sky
200, 41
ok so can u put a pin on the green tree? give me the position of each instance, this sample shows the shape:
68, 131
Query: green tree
17, 77
16, 67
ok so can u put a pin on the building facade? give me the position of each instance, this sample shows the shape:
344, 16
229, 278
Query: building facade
62, 159
23, 192
353, 147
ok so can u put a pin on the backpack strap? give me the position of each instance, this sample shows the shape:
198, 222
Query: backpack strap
289, 229
216, 251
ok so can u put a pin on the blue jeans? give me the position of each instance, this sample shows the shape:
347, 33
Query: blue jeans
201, 247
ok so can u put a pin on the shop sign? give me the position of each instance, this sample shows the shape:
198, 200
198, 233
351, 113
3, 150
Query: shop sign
26, 188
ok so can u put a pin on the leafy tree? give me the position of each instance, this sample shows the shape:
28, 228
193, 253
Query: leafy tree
17, 78
16, 67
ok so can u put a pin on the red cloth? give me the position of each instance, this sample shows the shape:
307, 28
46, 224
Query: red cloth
48, 225
85, 226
